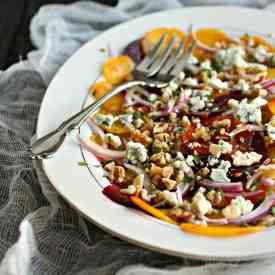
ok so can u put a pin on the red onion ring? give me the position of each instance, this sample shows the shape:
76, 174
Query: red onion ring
202, 46
99, 151
253, 196
225, 186
252, 179
256, 214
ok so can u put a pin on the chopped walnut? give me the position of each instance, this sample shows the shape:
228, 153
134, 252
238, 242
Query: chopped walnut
163, 137
161, 158
216, 198
160, 127
169, 184
130, 190
269, 220
173, 117
221, 123
180, 215
138, 136
167, 171
185, 122
155, 170
116, 172
138, 183
202, 133
161, 145
180, 176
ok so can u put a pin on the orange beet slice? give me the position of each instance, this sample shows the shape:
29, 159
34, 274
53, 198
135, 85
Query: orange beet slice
117, 69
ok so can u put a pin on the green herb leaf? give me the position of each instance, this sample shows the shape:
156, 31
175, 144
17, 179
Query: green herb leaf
196, 159
102, 50
273, 211
82, 163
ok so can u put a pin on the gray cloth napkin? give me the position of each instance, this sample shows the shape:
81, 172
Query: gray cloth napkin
39, 232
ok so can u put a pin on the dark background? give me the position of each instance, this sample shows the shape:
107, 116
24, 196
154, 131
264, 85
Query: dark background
15, 16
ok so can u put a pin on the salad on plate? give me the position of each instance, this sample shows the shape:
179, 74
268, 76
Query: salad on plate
198, 153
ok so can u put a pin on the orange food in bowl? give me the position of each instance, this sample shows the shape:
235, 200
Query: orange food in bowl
115, 103
152, 37
117, 69
210, 37
257, 40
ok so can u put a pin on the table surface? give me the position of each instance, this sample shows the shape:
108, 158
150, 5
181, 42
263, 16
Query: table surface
15, 16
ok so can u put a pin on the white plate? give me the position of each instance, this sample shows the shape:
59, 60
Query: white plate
82, 186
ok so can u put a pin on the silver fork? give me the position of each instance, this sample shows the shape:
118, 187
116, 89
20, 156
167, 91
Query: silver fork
156, 70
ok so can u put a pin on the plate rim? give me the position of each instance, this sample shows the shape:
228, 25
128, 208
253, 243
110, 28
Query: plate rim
117, 234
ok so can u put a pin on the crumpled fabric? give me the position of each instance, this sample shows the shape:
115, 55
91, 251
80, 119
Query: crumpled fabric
39, 232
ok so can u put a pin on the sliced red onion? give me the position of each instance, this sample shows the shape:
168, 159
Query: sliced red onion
268, 83
112, 191
169, 108
97, 130
132, 99
256, 214
267, 183
99, 151
181, 103
253, 196
246, 127
179, 195
182, 191
202, 46
139, 171
252, 179
225, 186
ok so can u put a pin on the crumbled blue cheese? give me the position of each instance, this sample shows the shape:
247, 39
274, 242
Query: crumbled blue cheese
152, 97
248, 112
238, 207
245, 159
270, 127
138, 123
206, 65
222, 147
191, 82
135, 152
243, 86
193, 60
170, 198
231, 57
190, 160
198, 99
220, 173
105, 120
113, 140
212, 161
126, 119
261, 54
200, 204
215, 82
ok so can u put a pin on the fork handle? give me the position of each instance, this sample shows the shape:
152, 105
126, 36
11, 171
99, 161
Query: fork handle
47, 145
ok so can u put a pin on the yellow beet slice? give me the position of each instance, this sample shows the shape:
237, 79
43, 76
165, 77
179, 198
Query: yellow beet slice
258, 40
271, 73
152, 37
151, 210
118, 68
115, 103
117, 128
271, 106
211, 36
220, 231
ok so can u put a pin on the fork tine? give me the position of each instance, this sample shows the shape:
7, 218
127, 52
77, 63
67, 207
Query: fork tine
172, 60
183, 61
158, 63
151, 57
